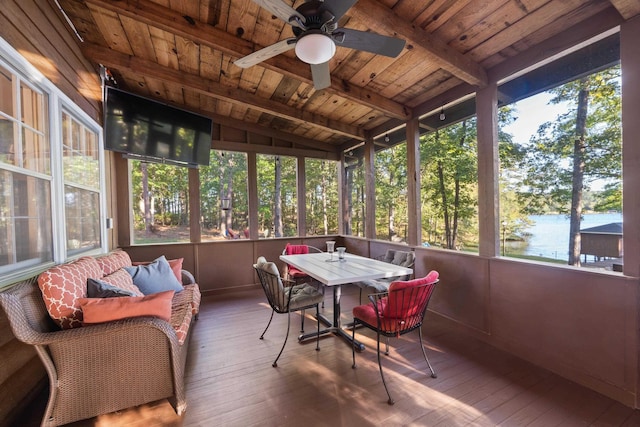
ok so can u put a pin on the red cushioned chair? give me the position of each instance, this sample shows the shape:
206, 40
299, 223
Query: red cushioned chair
295, 275
395, 313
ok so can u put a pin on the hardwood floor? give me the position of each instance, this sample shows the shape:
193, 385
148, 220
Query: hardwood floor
230, 380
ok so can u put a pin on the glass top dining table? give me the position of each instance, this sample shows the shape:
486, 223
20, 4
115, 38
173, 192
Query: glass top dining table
333, 272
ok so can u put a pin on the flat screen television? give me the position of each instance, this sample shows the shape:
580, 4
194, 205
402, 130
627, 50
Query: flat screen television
150, 130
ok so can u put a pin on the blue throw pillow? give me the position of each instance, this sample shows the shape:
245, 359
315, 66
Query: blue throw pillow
154, 277
99, 289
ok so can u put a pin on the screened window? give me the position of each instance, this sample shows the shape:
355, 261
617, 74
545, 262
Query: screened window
160, 195
391, 193
449, 186
356, 203
224, 204
322, 197
561, 198
277, 196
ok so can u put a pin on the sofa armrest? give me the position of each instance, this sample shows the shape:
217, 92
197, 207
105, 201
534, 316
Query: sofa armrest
187, 278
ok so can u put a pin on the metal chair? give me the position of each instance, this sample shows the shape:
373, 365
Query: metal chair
402, 258
395, 313
284, 299
292, 273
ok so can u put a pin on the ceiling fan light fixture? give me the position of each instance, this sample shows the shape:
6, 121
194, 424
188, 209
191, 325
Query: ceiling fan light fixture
315, 48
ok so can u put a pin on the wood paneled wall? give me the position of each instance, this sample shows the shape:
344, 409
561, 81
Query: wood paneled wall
37, 31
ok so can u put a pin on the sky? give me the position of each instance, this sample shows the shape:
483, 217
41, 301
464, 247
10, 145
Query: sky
531, 113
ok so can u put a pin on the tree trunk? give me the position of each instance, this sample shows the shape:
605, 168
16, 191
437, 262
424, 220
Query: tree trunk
146, 199
325, 215
277, 208
579, 147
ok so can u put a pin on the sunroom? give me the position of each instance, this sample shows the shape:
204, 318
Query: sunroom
349, 156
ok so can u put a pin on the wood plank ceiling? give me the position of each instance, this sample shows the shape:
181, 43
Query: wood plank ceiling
182, 52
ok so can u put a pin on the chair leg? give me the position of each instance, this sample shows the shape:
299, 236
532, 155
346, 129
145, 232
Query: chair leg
268, 323
390, 401
386, 346
302, 316
275, 362
424, 353
353, 346
318, 322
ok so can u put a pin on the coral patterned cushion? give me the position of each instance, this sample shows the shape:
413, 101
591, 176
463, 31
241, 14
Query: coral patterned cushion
62, 287
121, 279
113, 262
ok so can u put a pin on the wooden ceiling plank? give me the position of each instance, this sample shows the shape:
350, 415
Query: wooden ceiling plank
195, 82
83, 19
110, 26
139, 38
476, 14
448, 58
627, 8
432, 20
535, 21
153, 14
493, 21
164, 45
188, 55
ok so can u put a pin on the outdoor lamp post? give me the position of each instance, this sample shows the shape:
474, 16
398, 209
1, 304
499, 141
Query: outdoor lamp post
504, 236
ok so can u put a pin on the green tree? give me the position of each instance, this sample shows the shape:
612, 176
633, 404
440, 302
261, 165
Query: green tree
581, 146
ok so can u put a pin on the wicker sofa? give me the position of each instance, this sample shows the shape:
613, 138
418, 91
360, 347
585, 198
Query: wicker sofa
104, 367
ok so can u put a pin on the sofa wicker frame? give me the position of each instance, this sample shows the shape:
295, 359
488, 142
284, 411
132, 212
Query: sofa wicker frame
102, 368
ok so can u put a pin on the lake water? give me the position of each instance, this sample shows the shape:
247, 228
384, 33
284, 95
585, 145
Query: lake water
550, 234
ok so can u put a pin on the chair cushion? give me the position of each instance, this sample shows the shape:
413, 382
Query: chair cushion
155, 277
303, 296
62, 286
100, 310
367, 314
401, 308
296, 249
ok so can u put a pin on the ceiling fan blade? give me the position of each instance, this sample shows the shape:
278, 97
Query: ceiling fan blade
321, 75
266, 53
369, 42
338, 7
282, 10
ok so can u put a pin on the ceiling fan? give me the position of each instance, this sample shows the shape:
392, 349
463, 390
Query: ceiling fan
315, 26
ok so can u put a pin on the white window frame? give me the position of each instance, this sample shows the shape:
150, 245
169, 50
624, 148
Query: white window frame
57, 103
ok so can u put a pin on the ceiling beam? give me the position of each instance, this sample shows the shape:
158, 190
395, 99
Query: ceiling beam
168, 20
208, 87
380, 18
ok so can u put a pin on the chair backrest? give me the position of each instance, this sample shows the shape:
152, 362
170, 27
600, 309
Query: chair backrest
402, 258
272, 285
408, 300
295, 249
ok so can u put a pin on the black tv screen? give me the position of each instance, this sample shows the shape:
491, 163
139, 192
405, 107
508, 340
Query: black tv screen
154, 131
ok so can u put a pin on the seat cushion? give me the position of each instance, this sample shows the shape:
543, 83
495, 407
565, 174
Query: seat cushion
303, 296
367, 314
